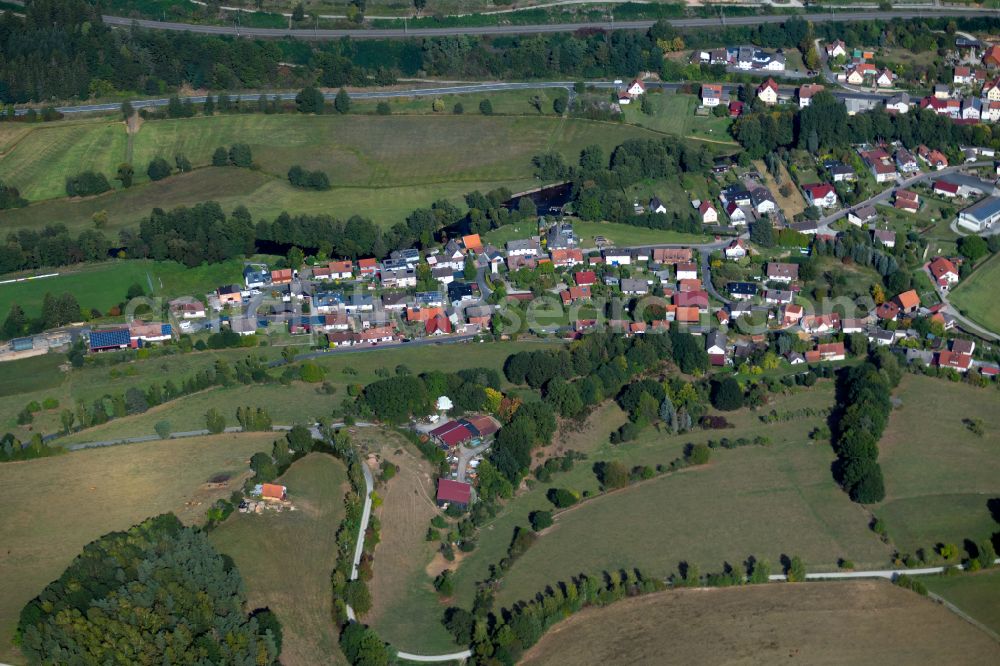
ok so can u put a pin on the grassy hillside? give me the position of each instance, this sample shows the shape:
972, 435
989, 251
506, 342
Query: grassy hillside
975, 594
975, 297
55, 506
380, 166
938, 475
768, 624
286, 558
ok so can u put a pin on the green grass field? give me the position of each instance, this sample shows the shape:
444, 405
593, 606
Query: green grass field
286, 558
36, 373
976, 594
57, 505
380, 167
618, 234
938, 475
674, 114
762, 501
105, 285
975, 297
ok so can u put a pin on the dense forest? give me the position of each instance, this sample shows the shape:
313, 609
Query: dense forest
60, 49
192, 601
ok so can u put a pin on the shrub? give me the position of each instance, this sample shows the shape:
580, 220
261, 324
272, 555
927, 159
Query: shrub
697, 454
540, 520
562, 498
162, 429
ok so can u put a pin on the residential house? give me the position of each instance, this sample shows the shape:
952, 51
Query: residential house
687, 314
992, 56
884, 237
672, 255
281, 276
142, 333
991, 112
737, 249
243, 326
779, 272
376, 335
945, 188
634, 287
767, 92
836, 49
459, 292
742, 290
972, 108
962, 75
423, 314
439, 325
900, 103
885, 79
735, 108
941, 91
636, 88
862, 215
326, 301
335, 270
933, 158
711, 94
806, 93
840, 172
763, 201
617, 257
229, 295
853, 325
715, 342
944, 272
736, 194
905, 161
957, 362
453, 256
831, 351
791, 315
795, 358
735, 214
821, 195
429, 299
256, 276
907, 200
367, 267
693, 299
821, 324
708, 213
399, 278
585, 278
444, 274
778, 296
687, 271
527, 247
908, 301
880, 164
887, 311
564, 258
358, 303
187, 308
688, 284
980, 216
964, 347
991, 90
473, 244
574, 294
560, 236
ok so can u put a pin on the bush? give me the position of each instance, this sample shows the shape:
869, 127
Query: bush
383, 109
726, 394
697, 454
562, 498
86, 184
540, 520
486, 107
162, 429
158, 169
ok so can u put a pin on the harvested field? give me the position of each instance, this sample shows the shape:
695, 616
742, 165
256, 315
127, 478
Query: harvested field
815, 623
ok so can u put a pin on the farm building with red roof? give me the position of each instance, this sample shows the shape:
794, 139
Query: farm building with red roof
453, 492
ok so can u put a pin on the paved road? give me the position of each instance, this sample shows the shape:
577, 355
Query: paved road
383, 33
883, 197
471, 88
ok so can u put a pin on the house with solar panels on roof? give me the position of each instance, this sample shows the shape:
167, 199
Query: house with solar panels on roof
111, 339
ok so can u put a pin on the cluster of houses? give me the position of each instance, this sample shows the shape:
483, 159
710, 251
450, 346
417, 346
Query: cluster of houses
856, 68
742, 58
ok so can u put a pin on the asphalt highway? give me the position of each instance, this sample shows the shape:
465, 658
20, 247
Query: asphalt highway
382, 33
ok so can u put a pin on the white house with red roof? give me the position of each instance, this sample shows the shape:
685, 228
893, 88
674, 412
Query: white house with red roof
636, 88
945, 189
709, 215
767, 92
737, 249
821, 195
943, 272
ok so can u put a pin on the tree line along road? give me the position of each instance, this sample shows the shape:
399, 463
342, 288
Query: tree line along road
383, 33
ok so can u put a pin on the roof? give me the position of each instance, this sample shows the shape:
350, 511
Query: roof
453, 491
438, 324
743, 288
941, 267
776, 269
768, 84
369, 263
585, 277
945, 186
272, 490
983, 210
483, 425
810, 89
116, 337
884, 236
909, 299
960, 346
947, 359
473, 242
687, 315
818, 190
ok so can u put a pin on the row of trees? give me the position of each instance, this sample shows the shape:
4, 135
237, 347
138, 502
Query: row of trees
864, 390
309, 180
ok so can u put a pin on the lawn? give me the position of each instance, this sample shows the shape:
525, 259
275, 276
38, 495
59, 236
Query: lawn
674, 114
35, 373
406, 610
815, 623
286, 558
286, 404
380, 166
975, 297
618, 234
511, 102
976, 594
938, 475
787, 503
57, 505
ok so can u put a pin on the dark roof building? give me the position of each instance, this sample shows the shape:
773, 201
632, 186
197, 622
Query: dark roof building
115, 338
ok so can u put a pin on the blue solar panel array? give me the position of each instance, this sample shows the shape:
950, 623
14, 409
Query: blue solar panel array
114, 338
